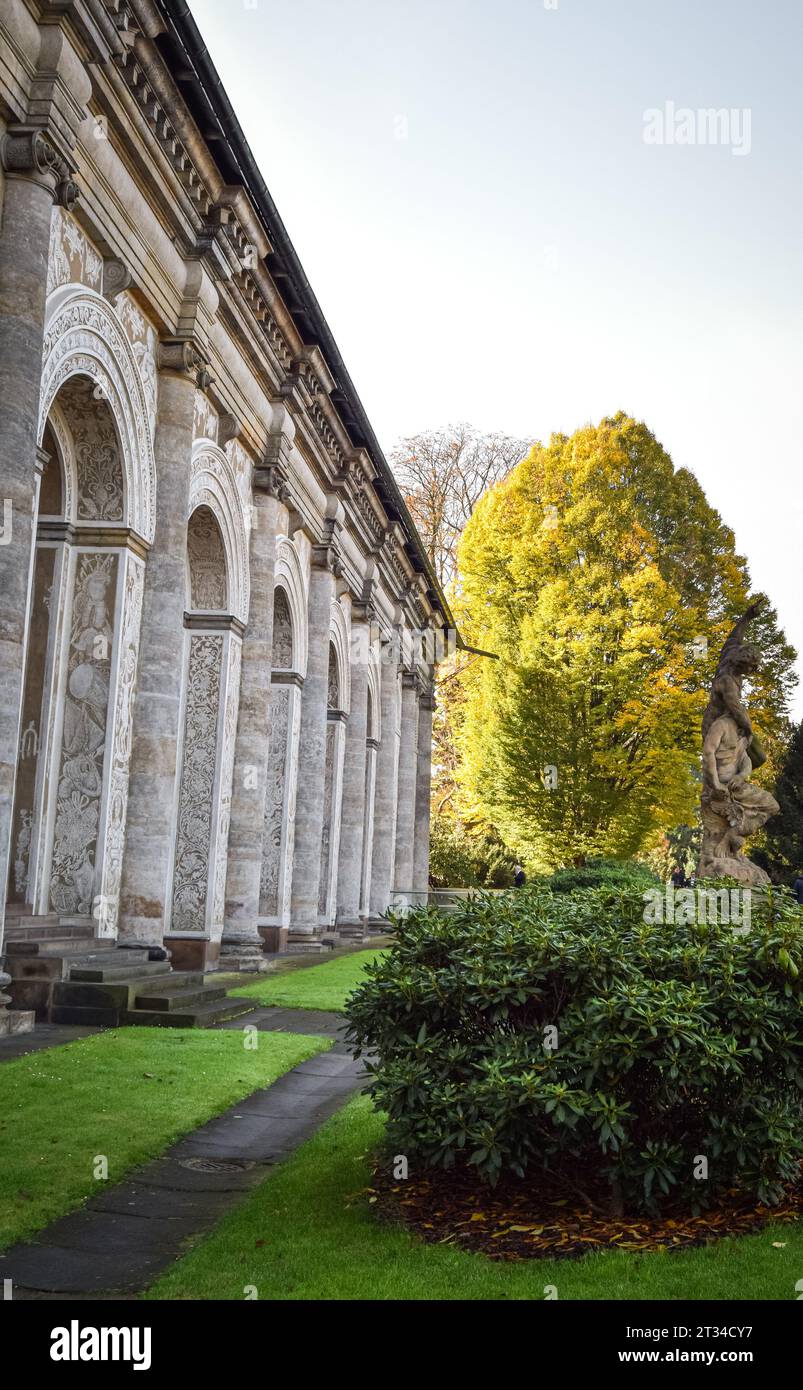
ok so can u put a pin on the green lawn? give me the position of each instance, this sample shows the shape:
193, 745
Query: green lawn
126, 1094
308, 1233
325, 986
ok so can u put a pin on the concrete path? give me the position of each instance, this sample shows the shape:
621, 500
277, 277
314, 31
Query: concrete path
119, 1242
43, 1035
275, 1019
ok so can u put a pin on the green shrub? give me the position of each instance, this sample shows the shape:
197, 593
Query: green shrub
458, 859
602, 873
673, 1043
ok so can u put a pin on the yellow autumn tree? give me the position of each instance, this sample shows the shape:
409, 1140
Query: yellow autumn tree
605, 584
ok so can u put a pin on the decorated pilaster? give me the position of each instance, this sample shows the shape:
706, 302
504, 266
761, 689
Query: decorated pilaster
423, 787
241, 941
408, 767
36, 176
353, 807
385, 798
309, 817
150, 830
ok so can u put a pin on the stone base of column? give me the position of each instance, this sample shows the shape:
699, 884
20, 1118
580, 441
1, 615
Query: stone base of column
188, 951
303, 939
273, 938
242, 953
13, 1021
352, 929
375, 925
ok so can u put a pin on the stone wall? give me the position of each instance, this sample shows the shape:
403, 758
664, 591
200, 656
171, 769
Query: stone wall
213, 595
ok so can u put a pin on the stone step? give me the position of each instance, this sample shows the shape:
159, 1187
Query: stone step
51, 931
183, 1000
92, 1016
98, 972
178, 980
103, 994
21, 927
200, 1016
56, 946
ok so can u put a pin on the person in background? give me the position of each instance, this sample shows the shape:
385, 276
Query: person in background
797, 888
678, 877
519, 876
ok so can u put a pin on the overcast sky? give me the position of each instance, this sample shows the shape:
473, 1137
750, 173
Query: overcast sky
497, 233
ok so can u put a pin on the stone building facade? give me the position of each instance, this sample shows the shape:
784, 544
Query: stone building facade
217, 622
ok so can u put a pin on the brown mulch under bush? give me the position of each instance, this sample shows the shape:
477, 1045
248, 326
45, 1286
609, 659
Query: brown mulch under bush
520, 1220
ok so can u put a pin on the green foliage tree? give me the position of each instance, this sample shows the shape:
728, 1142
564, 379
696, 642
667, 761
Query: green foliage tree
606, 584
458, 859
783, 834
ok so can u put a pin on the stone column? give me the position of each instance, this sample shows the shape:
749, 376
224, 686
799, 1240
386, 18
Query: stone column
352, 814
371, 749
408, 764
423, 787
312, 748
35, 177
151, 821
385, 799
241, 941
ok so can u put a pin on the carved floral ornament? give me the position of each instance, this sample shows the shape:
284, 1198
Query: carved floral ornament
83, 337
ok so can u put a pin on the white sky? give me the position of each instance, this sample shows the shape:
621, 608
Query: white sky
492, 240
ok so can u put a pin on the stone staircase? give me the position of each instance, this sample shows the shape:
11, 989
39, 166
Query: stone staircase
67, 975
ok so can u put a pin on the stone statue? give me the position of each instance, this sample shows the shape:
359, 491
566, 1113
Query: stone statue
732, 809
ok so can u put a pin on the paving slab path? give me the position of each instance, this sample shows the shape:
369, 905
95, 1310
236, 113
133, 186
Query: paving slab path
117, 1244
43, 1035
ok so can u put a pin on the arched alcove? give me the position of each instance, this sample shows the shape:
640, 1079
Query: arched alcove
211, 692
83, 640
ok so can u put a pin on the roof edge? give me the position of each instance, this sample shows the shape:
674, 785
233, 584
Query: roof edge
184, 33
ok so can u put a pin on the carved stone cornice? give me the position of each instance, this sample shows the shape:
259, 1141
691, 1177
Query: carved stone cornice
28, 152
327, 556
364, 611
427, 701
183, 357
411, 681
141, 71
272, 480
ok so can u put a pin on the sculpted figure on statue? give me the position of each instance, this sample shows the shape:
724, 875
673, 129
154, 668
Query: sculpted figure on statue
732, 808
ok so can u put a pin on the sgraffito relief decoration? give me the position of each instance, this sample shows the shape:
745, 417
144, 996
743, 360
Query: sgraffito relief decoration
143, 339
205, 420
243, 470
72, 257
274, 800
84, 338
213, 486
226, 772
101, 487
22, 849
83, 742
282, 633
194, 829
207, 561
114, 840
30, 736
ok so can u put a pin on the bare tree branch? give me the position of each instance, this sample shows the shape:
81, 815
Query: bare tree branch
443, 474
